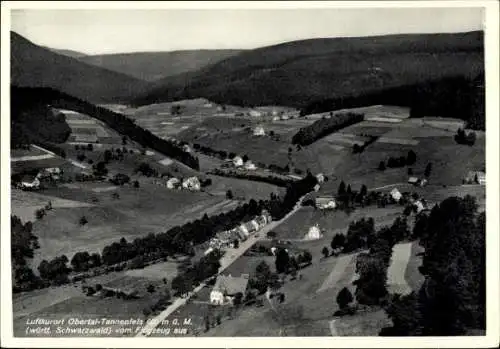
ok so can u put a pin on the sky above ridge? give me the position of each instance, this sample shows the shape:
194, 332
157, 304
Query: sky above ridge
134, 30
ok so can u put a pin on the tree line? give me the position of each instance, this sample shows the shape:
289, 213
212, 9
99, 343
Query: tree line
118, 122
271, 179
323, 127
450, 97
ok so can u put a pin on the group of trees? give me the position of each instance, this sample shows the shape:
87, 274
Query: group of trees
452, 299
394, 162
323, 127
55, 271
356, 148
83, 261
462, 138
146, 170
33, 122
286, 263
271, 179
193, 275
23, 244
25, 96
346, 197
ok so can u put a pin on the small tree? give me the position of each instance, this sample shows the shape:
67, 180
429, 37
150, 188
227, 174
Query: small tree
236, 243
342, 189
40, 213
90, 147
150, 288
410, 171
83, 220
325, 251
338, 241
229, 194
381, 166
428, 170
136, 184
411, 158
364, 191
344, 297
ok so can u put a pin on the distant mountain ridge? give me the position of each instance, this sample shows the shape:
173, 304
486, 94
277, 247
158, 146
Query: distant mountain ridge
152, 66
301, 72
35, 66
69, 53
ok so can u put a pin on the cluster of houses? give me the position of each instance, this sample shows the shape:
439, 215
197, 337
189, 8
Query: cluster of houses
418, 204
190, 183
239, 163
33, 182
419, 182
226, 238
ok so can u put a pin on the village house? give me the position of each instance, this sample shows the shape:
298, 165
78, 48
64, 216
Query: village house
191, 183
227, 287
414, 180
173, 183
276, 118
317, 187
314, 233
186, 148
29, 182
419, 206
237, 161
320, 178
325, 203
259, 131
396, 195
250, 166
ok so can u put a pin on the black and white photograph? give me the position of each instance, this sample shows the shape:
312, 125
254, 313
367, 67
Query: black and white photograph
204, 171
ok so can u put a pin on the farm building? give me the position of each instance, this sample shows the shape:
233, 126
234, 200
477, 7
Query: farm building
320, 177
237, 161
324, 203
29, 182
249, 165
186, 148
317, 187
191, 183
396, 195
255, 113
414, 180
276, 118
314, 233
419, 206
173, 183
227, 287
259, 131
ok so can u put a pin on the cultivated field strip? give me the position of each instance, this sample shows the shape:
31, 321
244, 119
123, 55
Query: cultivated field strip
396, 281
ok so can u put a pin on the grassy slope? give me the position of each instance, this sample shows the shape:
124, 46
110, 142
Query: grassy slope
151, 66
35, 66
296, 73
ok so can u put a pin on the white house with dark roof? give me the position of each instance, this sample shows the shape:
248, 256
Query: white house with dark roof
227, 287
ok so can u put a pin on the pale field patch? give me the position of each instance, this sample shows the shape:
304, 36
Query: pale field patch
104, 189
396, 281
